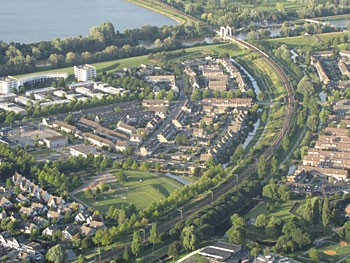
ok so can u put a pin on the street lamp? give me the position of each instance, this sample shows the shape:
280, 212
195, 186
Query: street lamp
144, 234
180, 210
212, 195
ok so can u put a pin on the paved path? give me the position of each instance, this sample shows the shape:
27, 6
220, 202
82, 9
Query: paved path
297, 143
188, 256
178, 178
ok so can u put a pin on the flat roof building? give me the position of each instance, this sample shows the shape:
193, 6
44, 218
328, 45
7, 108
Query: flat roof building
56, 141
84, 72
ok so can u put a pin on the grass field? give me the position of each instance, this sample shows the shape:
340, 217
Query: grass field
341, 252
106, 66
311, 41
119, 64
281, 210
141, 188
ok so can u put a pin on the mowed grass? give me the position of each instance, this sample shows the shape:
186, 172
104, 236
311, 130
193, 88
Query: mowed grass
141, 189
106, 66
284, 211
341, 252
119, 64
308, 41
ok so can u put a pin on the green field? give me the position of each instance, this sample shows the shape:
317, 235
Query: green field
310, 41
281, 211
106, 66
119, 64
141, 189
342, 252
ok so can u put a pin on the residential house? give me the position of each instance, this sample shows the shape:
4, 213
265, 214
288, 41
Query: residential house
128, 129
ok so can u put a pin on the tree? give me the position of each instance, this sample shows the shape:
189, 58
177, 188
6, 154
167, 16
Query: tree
170, 96
173, 250
285, 143
313, 254
189, 238
120, 176
136, 243
261, 167
9, 183
326, 213
154, 237
81, 259
236, 234
126, 255
56, 254
261, 221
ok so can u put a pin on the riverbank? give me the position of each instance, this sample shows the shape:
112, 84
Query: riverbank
166, 10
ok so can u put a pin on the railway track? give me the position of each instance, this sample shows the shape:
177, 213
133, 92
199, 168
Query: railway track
231, 182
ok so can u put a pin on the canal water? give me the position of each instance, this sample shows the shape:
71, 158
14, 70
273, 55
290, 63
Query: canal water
28, 21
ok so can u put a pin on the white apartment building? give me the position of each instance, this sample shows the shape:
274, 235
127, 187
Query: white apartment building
84, 72
8, 84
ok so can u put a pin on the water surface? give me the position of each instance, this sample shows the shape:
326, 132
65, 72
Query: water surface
29, 21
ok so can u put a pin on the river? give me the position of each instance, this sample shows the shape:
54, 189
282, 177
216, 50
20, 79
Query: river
28, 21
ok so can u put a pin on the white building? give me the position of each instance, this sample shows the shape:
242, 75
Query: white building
84, 72
32, 79
8, 85
56, 142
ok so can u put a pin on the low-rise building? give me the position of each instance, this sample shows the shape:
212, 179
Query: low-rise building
98, 141
128, 129
56, 142
83, 150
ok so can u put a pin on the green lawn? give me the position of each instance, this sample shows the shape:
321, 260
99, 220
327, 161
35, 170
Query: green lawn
141, 188
341, 252
282, 211
106, 66
311, 41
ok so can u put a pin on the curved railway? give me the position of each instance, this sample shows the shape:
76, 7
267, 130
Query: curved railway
231, 182
287, 125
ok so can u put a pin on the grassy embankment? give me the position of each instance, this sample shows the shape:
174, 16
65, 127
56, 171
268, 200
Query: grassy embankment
140, 188
167, 10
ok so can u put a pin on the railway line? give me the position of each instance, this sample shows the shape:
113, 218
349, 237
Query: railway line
231, 182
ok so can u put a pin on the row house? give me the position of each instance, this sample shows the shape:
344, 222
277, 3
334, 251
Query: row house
342, 107
154, 123
167, 134
34, 190
64, 127
317, 161
336, 132
180, 119
328, 146
343, 68
320, 70
150, 147
98, 141
232, 103
344, 53
155, 103
128, 129
110, 134
339, 174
